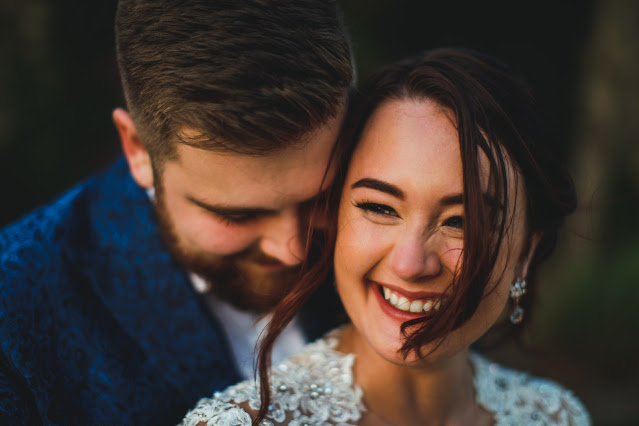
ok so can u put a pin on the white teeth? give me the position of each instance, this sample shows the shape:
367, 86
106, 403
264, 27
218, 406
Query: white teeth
428, 305
393, 299
416, 306
403, 304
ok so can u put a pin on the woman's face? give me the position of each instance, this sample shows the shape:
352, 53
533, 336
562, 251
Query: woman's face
400, 237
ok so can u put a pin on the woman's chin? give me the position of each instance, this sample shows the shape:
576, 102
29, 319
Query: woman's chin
386, 341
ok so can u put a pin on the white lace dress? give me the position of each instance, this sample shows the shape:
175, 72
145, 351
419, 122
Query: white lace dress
317, 388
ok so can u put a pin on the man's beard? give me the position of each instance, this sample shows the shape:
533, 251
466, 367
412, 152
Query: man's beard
237, 278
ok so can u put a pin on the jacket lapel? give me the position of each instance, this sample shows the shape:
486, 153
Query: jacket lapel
148, 294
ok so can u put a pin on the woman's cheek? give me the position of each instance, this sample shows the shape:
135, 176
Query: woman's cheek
353, 229
366, 243
349, 247
451, 254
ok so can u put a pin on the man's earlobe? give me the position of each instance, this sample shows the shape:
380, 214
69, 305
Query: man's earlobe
134, 150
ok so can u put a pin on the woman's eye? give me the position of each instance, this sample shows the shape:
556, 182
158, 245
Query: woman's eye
378, 209
456, 222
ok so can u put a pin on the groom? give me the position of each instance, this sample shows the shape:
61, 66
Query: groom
136, 293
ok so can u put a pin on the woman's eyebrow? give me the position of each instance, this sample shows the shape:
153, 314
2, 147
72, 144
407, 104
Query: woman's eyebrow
393, 190
379, 185
452, 200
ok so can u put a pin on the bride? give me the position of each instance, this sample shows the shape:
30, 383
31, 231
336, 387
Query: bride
450, 201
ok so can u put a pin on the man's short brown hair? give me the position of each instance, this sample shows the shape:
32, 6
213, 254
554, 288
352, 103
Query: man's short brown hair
245, 76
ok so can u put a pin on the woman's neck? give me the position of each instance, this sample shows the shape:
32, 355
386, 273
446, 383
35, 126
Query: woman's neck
440, 393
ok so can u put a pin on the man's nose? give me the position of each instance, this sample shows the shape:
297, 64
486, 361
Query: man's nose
281, 238
415, 257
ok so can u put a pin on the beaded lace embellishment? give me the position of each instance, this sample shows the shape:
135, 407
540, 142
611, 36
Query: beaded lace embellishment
517, 398
317, 388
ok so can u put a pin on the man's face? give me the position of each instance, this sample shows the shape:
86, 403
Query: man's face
239, 220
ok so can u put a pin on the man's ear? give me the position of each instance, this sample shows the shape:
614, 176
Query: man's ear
136, 154
528, 254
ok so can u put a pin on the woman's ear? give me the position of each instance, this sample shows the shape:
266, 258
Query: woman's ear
529, 253
134, 150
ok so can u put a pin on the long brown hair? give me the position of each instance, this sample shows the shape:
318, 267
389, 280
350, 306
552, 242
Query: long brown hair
496, 115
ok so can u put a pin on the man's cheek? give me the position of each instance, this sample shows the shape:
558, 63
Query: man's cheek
221, 239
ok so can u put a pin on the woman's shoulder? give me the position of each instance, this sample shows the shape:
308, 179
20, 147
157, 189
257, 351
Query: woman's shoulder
314, 387
515, 397
215, 411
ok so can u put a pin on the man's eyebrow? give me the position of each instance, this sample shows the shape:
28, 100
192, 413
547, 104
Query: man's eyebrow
379, 185
231, 211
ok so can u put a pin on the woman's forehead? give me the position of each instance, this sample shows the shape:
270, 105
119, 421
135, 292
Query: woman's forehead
419, 138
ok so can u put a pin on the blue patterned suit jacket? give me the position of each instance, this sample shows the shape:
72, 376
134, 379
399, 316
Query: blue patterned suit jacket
98, 324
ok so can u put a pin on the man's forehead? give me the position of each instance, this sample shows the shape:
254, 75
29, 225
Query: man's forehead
321, 136
291, 176
303, 162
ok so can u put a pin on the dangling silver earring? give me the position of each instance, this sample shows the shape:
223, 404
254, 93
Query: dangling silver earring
517, 290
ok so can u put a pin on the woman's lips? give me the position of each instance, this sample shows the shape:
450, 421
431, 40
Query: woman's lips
406, 304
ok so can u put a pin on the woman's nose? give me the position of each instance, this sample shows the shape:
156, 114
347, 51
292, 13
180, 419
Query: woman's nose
415, 257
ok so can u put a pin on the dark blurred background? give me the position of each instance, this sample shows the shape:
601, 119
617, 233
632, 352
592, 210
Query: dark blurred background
59, 84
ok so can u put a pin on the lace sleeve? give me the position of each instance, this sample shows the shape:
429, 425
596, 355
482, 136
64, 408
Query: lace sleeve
571, 411
214, 412
518, 398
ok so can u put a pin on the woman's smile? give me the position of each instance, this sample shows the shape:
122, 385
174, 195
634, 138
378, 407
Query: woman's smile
418, 304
